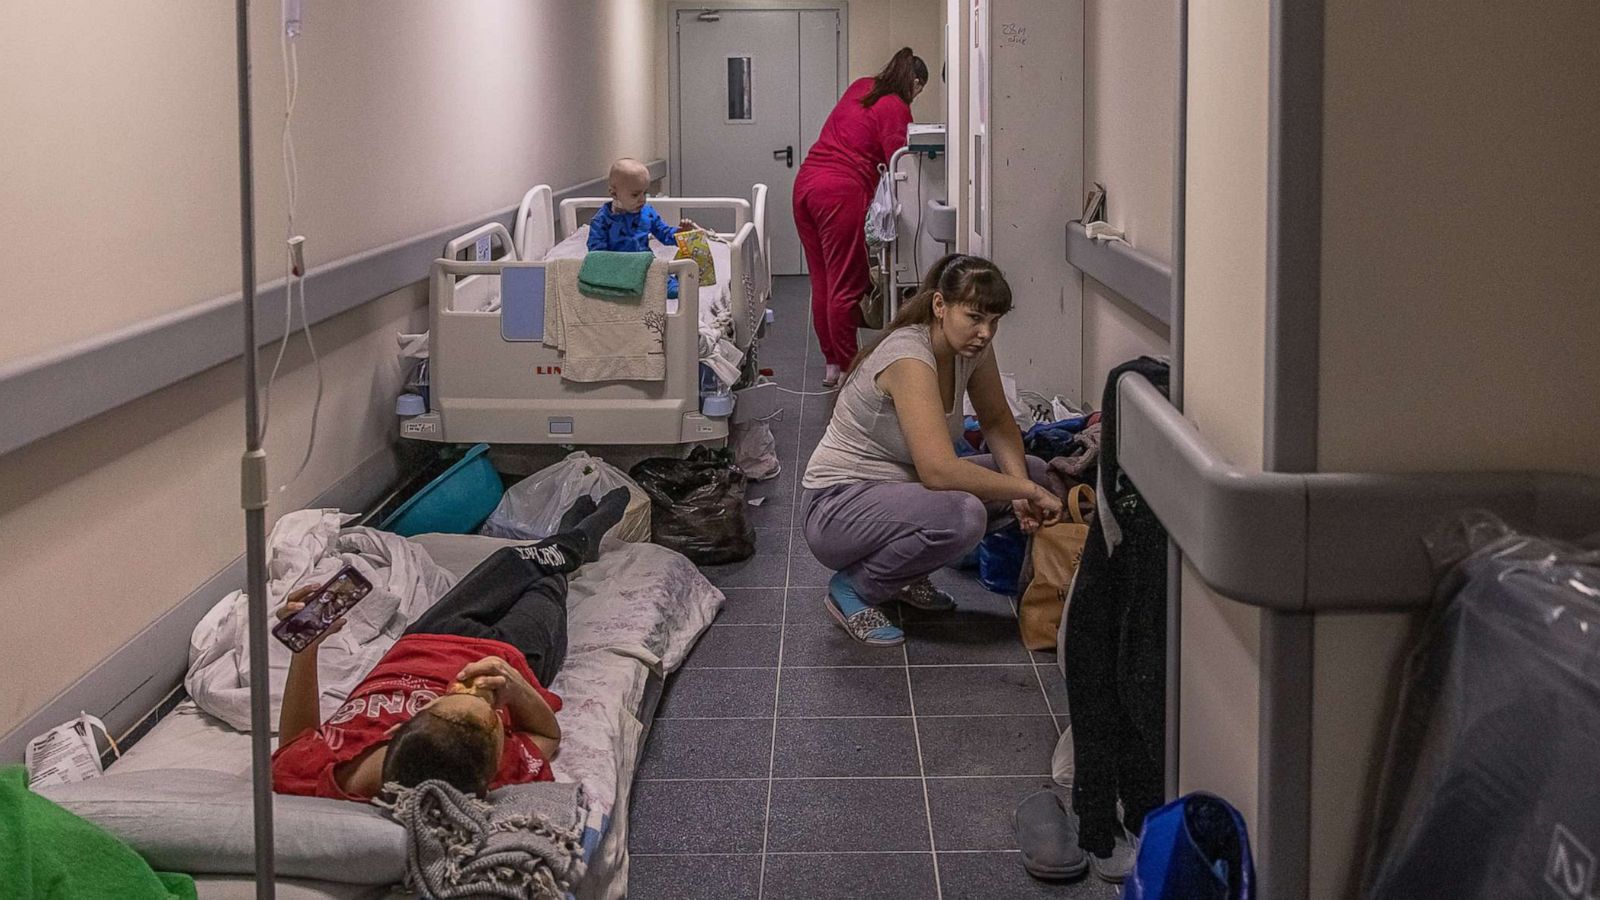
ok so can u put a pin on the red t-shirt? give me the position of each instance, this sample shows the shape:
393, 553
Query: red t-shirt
855, 140
414, 672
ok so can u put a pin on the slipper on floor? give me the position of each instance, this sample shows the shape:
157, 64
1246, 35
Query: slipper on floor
868, 626
1047, 835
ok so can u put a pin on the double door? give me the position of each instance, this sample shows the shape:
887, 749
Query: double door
751, 90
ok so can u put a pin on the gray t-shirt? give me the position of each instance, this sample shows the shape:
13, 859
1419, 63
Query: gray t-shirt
864, 441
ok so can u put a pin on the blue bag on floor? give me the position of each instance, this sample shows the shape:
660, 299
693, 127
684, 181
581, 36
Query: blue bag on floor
1000, 559
1194, 848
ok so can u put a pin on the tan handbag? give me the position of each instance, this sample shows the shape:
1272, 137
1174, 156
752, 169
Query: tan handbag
1056, 551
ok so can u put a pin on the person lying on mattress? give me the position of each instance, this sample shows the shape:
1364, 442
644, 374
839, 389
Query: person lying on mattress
627, 223
460, 697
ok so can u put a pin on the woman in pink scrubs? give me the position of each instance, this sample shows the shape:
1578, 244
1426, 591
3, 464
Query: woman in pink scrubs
833, 189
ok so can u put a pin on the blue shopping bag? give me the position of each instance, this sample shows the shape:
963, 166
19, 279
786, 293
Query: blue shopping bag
1000, 559
1194, 848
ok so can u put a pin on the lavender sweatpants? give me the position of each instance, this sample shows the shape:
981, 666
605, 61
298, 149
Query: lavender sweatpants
885, 535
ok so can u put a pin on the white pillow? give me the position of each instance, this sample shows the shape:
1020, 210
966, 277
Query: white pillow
575, 246
201, 822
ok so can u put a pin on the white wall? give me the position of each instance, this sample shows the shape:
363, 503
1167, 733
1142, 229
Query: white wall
957, 38
1130, 72
1224, 371
1460, 301
1036, 166
1115, 331
410, 117
879, 28
118, 174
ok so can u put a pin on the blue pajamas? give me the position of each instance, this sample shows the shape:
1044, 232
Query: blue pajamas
631, 233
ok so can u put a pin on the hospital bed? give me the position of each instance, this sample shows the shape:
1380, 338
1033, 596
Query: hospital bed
492, 385
535, 237
181, 795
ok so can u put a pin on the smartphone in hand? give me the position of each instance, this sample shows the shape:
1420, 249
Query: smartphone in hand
343, 591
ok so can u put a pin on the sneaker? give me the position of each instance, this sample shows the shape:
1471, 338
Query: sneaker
830, 376
921, 594
1116, 867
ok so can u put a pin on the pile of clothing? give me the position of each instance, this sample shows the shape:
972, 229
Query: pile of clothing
1071, 447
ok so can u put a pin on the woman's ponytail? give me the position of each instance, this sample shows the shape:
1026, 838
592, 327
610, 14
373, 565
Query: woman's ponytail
900, 77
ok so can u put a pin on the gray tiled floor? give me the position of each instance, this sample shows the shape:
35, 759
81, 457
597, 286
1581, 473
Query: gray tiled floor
788, 761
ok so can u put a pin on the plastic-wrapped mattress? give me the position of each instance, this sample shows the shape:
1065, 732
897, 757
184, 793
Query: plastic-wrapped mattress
1493, 779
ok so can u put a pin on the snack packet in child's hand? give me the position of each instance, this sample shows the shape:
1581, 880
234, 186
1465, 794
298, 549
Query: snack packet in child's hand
696, 246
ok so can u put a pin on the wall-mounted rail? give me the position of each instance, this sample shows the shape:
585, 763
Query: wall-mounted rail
1142, 279
46, 394
1311, 542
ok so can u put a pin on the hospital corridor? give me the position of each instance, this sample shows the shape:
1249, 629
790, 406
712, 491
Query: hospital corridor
825, 449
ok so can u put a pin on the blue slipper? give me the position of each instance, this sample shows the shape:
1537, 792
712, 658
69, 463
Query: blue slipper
869, 625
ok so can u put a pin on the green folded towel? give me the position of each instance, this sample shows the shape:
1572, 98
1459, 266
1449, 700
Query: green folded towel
46, 851
612, 275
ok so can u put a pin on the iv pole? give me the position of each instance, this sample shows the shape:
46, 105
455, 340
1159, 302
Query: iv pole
253, 485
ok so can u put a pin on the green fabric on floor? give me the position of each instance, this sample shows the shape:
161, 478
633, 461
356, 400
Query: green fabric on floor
612, 275
47, 853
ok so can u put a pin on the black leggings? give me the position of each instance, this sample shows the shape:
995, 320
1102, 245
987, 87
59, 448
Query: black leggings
518, 596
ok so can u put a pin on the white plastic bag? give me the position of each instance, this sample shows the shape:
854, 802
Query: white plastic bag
1019, 410
883, 211
531, 508
754, 450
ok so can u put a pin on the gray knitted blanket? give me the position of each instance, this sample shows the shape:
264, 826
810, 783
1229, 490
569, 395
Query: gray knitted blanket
522, 843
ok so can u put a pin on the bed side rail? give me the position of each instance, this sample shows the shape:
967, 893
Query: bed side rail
758, 208
749, 294
534, 228
446, 276
481, 241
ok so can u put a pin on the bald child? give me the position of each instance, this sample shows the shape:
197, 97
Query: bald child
627, 223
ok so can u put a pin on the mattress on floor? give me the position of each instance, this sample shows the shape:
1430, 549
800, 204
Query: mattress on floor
632, 618
243, 887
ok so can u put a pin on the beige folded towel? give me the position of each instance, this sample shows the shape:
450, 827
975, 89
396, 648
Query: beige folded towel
605, 340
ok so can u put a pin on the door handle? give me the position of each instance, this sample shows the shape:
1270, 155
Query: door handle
786, 154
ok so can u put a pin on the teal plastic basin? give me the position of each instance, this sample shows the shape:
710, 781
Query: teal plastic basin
456, 502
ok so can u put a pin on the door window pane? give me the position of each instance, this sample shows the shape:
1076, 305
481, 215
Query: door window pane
739, 89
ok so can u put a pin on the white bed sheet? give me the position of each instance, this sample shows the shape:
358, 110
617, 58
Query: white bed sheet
715, 299
636, 611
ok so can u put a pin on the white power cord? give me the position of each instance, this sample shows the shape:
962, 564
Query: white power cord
294, 270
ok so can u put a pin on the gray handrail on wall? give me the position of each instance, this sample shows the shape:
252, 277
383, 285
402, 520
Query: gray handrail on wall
1317, 542
1137, 276
51, 392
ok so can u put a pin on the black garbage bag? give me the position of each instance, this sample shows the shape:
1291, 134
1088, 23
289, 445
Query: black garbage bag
698, 506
